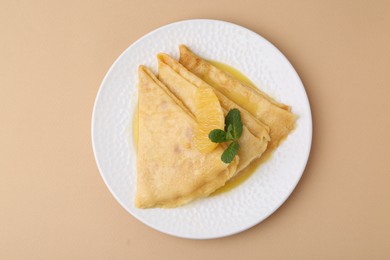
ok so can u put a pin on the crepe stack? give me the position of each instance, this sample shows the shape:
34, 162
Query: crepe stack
171, 171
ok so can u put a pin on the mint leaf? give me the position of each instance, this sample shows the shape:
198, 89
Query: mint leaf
233, 120
230, 152
217, 136
229, 135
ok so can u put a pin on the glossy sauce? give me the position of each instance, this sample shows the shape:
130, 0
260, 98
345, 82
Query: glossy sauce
243, 175
248, 171
232, 71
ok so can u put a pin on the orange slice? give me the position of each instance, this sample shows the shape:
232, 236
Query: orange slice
209, 115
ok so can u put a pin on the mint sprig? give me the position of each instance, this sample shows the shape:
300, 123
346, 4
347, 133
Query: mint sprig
233, 131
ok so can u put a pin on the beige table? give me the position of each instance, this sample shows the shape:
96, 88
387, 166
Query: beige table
53, 203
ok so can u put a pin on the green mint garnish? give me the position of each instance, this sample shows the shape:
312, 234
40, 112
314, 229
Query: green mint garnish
230, 152
229, 133
233, 131
233, 123
217, 136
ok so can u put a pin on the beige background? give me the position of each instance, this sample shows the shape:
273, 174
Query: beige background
53, 203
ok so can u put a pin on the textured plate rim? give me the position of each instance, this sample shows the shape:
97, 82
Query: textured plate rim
304, 162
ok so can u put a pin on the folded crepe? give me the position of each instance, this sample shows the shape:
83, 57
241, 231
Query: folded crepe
276, 115
170, 170
183, 84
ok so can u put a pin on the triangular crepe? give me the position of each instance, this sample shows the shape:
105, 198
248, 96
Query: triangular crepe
280, 120
170, 171
179, 81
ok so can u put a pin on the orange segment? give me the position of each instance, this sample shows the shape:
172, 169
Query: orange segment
209, 115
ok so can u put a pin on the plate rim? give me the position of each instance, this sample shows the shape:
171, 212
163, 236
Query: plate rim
306, 156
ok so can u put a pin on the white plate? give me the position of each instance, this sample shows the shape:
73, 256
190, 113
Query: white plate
247, 204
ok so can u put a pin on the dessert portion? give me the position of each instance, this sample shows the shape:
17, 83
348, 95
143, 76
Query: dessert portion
199, 127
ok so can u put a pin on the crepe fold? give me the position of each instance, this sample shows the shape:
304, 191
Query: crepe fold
170, 170
270, 112
183, 84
